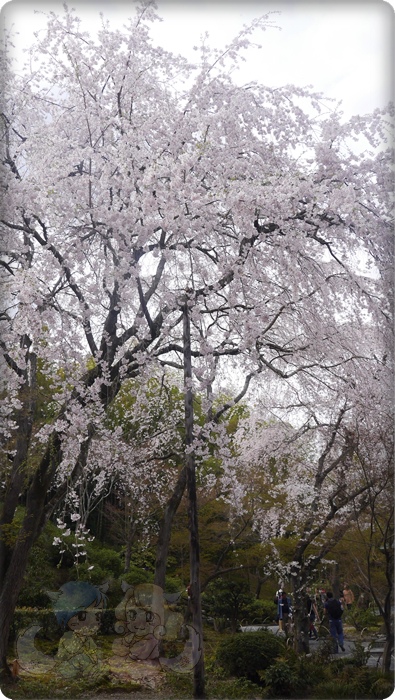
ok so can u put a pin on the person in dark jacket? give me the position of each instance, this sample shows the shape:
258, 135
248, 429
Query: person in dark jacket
335, 611
283, 608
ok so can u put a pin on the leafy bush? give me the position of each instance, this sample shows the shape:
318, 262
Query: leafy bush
41, 573
360, 655
228, 602
106, 559
25, 617
244, 655
260, 611
382, 687
136, 576
332, 690
280, 679
174, 585
235, 688
363, 618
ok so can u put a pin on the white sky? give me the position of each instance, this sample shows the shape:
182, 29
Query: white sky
343, 49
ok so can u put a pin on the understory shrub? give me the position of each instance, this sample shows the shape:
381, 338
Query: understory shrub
26, 617
260, 611
382, 687
363, 618
280, 679
135, 576
244, 655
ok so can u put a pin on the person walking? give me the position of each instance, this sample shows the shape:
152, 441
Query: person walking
335, 611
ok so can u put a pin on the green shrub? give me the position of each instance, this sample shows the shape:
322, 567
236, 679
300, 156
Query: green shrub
41, 573
136, 576
106, 559
280, 679
26, 617
244, 655
332, 690
382, 687
363, 618
233, 688
260, 611
360, 655
174, 585
84, 572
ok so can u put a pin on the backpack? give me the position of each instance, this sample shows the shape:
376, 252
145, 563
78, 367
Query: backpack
334, 608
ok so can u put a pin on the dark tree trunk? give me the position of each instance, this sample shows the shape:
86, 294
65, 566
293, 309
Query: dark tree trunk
389, 632
36, 515
32, 525
300, 614
24, 427
196, 609
131, 531
335, 581
165, 528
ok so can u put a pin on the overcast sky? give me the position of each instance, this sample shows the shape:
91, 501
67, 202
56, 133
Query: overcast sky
343, 49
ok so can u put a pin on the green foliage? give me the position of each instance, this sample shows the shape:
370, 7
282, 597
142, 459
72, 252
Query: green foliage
179, 686
280, 679
43, 686
229, 599
264, 611
383, 687
24, 617
244, 655
233, 688
361, 619
107, 559
41, 574
354, 682
136, 576
360, 655
174, 585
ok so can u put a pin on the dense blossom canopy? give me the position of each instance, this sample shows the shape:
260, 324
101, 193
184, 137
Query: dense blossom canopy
134, 181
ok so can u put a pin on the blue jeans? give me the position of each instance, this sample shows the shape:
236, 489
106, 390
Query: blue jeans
336, 630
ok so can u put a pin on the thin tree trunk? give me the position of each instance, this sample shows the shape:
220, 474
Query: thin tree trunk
131, 531
197, 622
166, 523
335, 581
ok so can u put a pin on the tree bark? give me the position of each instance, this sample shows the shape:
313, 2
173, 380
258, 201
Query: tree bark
196, 609
35, 518
166, 523
130, 534
24, 423
31, 527
299, 606
335, 581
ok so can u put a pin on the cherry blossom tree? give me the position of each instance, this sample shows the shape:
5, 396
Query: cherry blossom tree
320, 472
130, 176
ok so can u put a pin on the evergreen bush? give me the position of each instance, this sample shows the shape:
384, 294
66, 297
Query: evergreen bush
280, 679
244, 655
